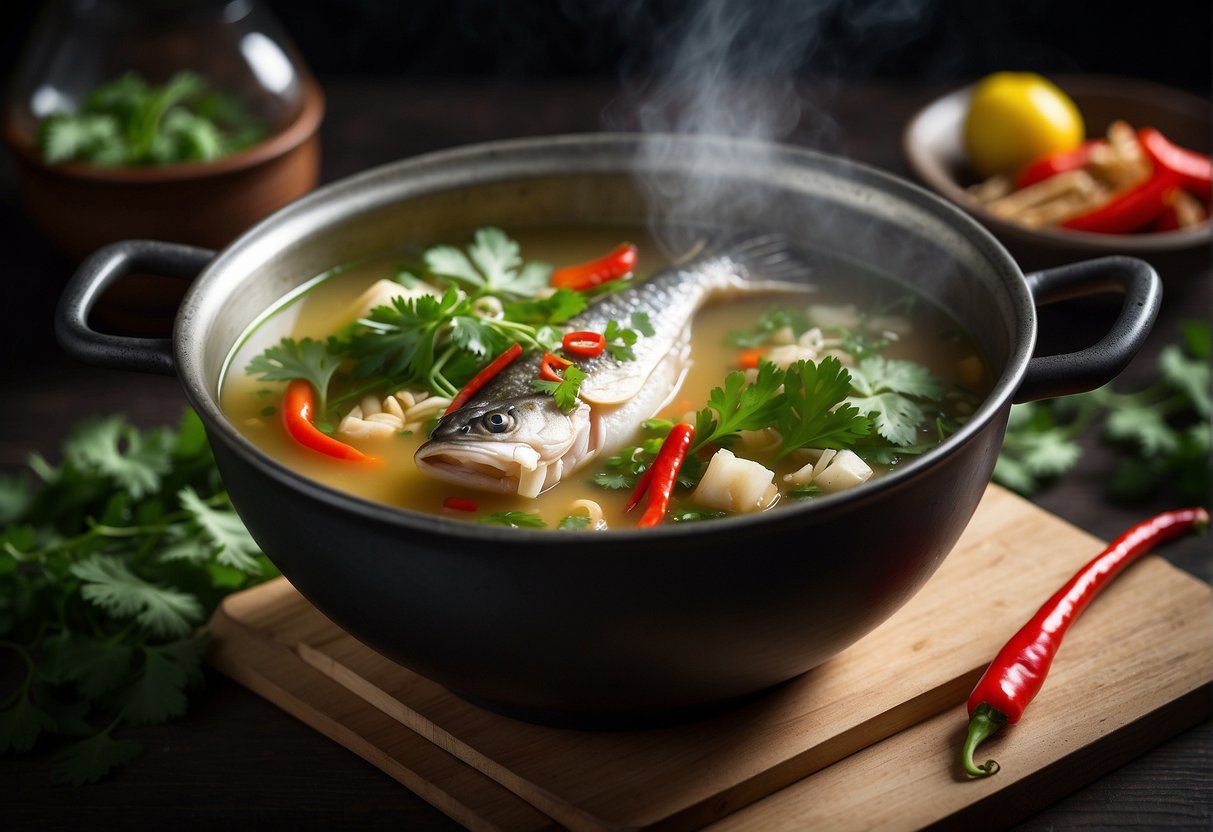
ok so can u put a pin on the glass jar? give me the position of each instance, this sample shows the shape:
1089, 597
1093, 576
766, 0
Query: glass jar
235, 45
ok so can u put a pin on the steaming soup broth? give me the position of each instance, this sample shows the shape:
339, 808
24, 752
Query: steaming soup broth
914, 330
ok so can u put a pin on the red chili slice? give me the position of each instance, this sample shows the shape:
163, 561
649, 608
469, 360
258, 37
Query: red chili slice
611, 266
482, 378
584, 344
1195, 171
549, 366
1130, 211
1056, 163
459, 504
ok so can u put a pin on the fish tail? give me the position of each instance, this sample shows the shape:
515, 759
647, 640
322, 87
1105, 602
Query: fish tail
765, 262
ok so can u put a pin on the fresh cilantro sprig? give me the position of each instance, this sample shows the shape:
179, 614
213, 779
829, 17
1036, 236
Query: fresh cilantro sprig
892, 390
739, 406
290, 359
107, 567
564, 391
127, 121
619, 339
440, 342
813, 413
804, 402
1161, 432
492, 265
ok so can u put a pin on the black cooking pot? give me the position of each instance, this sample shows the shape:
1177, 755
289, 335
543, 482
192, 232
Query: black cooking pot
544, 624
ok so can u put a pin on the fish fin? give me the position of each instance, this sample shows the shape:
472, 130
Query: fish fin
621, 384
767, 260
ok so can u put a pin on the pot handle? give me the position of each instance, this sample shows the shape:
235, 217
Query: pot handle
1095, 366
101, 270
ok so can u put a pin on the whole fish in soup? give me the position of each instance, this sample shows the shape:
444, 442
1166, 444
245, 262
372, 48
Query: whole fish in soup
510, 438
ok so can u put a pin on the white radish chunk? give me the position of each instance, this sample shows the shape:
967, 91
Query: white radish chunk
845, 470
735, 484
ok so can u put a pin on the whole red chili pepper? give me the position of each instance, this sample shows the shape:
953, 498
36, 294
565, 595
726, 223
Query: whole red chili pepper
662, 475
1018, 671
297, 406
613, 265
483, 377
1195, 170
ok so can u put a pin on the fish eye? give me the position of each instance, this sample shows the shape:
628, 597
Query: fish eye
498, 421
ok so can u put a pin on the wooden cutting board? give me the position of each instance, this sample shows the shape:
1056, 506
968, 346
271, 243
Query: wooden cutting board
868, 739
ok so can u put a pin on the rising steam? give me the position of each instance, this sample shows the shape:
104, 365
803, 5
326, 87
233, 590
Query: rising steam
730, 68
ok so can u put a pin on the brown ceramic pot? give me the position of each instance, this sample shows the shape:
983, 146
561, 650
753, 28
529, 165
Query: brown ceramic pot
81, 207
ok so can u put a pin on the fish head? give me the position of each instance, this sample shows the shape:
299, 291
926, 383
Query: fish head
520, 445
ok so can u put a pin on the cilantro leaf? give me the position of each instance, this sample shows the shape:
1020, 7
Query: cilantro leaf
95, 137
1188, 375
88, 760
615, 480
110, 585
493, 263
289, 359
1144, 426
556, 308
134, 460
772, 321
16, 495
619, 340
232, 544
1196, 339
21, 724
127, 121
85, 558
96, 667
564, 391
813, 414
739, 406
513, 519
1036, 448
641, 323
158, 691
886, 388
575, 521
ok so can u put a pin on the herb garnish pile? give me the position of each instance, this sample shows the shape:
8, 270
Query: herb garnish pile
127, 121
107, 568
437, 343
1161, 432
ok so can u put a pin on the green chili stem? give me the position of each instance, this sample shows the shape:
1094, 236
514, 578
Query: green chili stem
985, 722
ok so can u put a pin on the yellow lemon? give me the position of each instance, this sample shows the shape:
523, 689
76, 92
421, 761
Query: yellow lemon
1018, 117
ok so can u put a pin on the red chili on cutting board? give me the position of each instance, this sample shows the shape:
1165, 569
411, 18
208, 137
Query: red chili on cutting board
1018, 671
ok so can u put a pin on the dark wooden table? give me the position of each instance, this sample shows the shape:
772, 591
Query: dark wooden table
236, 760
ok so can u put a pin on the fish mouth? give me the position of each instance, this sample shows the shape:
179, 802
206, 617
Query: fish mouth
512, 468
525, 465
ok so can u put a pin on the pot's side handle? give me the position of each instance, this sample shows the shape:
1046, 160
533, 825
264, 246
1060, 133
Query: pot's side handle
1077, 372
101, 270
